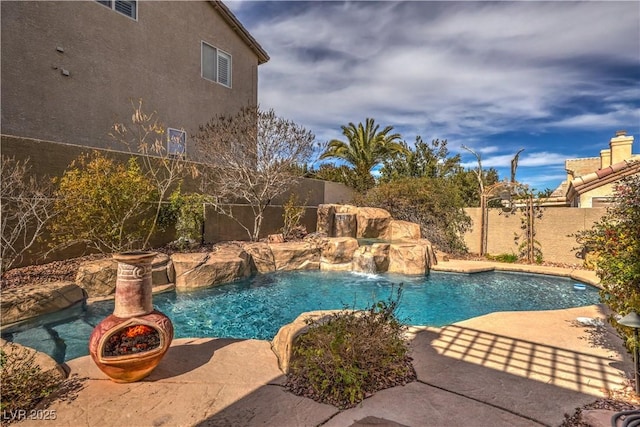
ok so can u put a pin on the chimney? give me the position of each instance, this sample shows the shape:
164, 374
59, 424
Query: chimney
620, 146
605, 158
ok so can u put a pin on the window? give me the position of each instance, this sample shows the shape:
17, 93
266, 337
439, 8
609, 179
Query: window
128, 8
176, 142
216, 65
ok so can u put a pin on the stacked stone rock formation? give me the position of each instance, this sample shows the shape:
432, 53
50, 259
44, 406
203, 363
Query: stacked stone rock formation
398, 249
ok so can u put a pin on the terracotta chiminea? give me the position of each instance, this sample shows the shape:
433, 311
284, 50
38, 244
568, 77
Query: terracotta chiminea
129, 343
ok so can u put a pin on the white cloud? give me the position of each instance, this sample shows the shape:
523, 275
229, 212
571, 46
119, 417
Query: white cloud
619, 115
463, 71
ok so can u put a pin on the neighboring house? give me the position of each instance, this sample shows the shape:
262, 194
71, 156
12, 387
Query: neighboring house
590, 181
71, 69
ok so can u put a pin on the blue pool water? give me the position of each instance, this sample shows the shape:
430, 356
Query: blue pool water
257, 307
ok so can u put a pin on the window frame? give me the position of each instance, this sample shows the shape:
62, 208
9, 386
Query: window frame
112, 5
217, 54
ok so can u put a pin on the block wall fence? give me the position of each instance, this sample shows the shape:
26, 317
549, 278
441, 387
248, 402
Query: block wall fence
553, 231
51, 159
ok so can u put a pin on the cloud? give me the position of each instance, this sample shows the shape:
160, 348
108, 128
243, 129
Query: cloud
462, 71
618, 115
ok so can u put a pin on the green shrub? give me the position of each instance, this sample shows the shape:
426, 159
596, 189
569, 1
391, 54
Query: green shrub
104, 204
23, 382
510, 258
186, 213
351, 355
433, 203
615, 240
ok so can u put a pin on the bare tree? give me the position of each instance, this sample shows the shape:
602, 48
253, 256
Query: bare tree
253, 157
148, 137
26, 208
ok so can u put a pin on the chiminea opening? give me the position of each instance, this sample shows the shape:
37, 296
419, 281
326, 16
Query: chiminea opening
133, 339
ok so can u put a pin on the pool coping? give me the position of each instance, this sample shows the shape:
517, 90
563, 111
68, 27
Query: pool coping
470, 267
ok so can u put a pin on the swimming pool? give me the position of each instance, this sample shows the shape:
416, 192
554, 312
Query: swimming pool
257, 307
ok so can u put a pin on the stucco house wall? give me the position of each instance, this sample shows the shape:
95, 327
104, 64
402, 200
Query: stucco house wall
586, 199
112, 59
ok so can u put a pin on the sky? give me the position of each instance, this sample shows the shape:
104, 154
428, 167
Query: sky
555, 78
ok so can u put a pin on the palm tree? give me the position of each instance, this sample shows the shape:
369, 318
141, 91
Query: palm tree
365, 148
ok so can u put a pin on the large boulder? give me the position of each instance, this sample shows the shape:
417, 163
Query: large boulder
282, 343
98, 277
380, 252
372, 258
260, 257
336, 253
363, 260
28, 302
201, 270
295, 256
325, 214
162, 270
21, 354
372, 222
399, 230
408, 258
345, 225
338, 250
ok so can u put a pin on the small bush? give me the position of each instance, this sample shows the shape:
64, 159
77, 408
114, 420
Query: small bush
293, 212
510, 258
352, 355
186, 212
23, 382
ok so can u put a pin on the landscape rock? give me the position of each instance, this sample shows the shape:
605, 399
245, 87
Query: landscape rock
275, 238
327, 266
345, 225
373, 222
372, 258
261, 257
201, 270
295, 256
338, 250
45, 362
399, 230
380, 253
27, 302
98, 277
408, 258
325, 214
162, 271
363, 261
